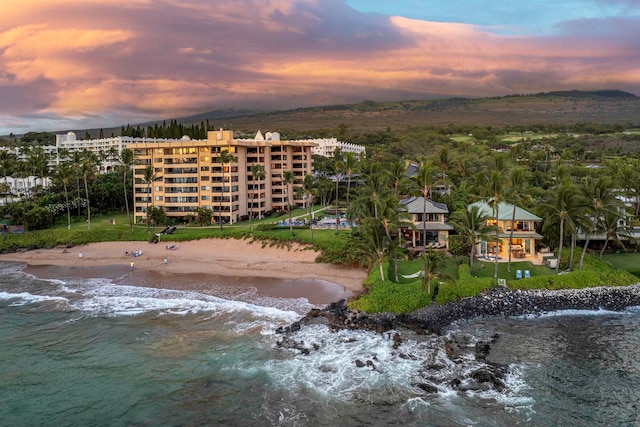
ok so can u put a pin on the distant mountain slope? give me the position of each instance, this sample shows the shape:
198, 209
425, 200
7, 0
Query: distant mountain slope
559, 107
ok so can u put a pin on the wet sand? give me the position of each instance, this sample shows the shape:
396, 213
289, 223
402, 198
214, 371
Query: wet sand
214, 266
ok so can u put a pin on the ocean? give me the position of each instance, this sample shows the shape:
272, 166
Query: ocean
89, 352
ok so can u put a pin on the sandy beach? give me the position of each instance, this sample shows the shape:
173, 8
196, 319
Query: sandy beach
273, 271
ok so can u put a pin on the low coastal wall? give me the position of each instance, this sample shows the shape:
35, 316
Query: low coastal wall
496, 302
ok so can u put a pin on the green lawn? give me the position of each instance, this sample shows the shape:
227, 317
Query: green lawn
485, 269
625, 261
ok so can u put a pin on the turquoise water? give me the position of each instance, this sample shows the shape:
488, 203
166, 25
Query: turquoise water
79, 352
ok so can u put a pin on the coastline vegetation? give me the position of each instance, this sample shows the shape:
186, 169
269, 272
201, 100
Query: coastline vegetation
576, 180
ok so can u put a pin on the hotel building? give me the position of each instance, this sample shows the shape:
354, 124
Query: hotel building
326, 146
191, 176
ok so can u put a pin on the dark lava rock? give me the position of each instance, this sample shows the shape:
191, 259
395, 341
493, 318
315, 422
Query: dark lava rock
429, 388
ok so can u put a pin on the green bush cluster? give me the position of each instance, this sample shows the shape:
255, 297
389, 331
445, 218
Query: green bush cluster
385, 296
465, 286
341, 250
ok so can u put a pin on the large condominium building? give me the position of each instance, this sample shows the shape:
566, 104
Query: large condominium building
190, 175
325, 147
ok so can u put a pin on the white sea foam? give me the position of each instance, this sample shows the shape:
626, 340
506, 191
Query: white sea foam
570, 312
330, 369
24, 298
103, 298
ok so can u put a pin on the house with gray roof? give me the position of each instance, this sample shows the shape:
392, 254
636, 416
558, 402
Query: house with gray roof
429, 220
523, 242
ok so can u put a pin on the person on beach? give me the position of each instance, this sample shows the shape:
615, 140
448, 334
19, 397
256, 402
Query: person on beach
132, 264
166, 261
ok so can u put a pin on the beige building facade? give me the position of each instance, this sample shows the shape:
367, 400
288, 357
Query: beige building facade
190, 175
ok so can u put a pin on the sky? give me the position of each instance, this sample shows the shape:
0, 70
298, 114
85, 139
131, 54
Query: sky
78, 64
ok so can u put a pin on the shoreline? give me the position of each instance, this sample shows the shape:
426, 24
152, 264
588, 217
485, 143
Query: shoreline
202, 265
497, 302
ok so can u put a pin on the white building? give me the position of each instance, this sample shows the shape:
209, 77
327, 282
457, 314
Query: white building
110, 147
326, 147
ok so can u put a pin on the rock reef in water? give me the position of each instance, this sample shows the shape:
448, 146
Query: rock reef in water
496, 302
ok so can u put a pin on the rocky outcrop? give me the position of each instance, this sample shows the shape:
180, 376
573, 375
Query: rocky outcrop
505, 302
496, 302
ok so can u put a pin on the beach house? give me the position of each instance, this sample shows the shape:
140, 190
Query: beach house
429, 221
524, 238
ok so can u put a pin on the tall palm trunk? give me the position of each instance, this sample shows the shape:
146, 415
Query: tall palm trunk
606, 242
424, 223
584, 250
66, 197
251, 208
221, 197
78, 188
513, 222
495, 265
573, 247
337, 217
126, 199
86, 192
472, 255
560, 243
147, 199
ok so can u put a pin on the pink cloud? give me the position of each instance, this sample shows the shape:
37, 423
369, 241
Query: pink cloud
139, 59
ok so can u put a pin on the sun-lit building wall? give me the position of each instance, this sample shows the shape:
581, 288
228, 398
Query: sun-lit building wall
190, 174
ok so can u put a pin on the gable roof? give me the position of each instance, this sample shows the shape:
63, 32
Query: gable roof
416, 205
505, 211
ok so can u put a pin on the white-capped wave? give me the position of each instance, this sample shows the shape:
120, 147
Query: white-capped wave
24, 298
103, 298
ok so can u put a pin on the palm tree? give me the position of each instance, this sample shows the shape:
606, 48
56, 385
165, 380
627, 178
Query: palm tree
63, 173
613, 226
258, 174
225, 159
600, 198
38, 162
350, 166
77, 158
287, 179
398, 178
324, 187
338, 168
308, 187
374, 245
126, 160
372, 193
443, 160
87, 169
392, 217
7, 166
495, 189
149, 177
471, 225
516, 192
424, 182
564, 206
433, 265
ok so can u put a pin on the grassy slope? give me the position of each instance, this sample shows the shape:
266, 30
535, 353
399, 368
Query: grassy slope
625, 261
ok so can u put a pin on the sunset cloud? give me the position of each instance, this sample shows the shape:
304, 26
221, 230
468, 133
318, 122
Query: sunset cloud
99, 63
